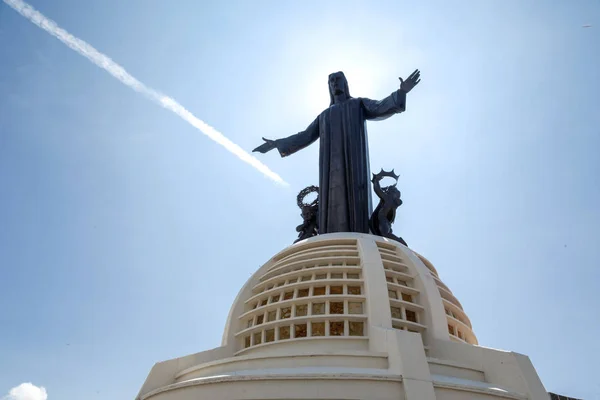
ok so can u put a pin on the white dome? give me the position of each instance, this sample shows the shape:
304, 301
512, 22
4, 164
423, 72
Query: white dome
334, 286
346, 316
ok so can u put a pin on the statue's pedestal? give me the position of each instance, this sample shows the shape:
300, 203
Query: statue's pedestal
346, 316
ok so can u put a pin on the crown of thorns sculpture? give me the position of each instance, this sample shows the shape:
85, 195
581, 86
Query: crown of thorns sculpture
305, 192
383, 174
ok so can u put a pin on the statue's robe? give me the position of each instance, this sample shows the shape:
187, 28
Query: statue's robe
344, 173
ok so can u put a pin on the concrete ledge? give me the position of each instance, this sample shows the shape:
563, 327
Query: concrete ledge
288, 354
450, 363
464, 385
295, 374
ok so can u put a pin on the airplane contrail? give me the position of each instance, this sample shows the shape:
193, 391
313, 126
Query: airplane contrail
118, 72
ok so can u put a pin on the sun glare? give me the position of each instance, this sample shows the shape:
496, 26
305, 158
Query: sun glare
364, 70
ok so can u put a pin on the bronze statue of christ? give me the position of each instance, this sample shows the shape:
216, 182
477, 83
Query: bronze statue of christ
344, 172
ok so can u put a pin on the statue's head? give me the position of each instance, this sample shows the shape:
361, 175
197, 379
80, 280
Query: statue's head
338, 87
394, 194
308, 213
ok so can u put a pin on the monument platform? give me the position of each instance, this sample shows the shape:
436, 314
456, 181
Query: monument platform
346, 316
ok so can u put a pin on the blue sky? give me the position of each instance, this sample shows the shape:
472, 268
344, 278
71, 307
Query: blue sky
117, 218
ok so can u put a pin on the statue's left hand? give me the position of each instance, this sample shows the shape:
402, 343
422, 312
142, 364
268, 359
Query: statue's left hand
410, 82
268, 145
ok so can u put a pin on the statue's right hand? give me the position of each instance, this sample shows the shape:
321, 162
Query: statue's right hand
268, 145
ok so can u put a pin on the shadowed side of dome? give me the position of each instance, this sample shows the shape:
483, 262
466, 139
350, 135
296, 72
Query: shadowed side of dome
459, 324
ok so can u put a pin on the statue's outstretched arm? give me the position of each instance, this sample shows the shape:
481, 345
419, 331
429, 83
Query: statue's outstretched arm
394, 103
300, 140
294, 143
379, 110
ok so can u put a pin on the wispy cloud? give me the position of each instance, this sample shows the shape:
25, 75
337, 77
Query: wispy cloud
26, 391
117, 71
